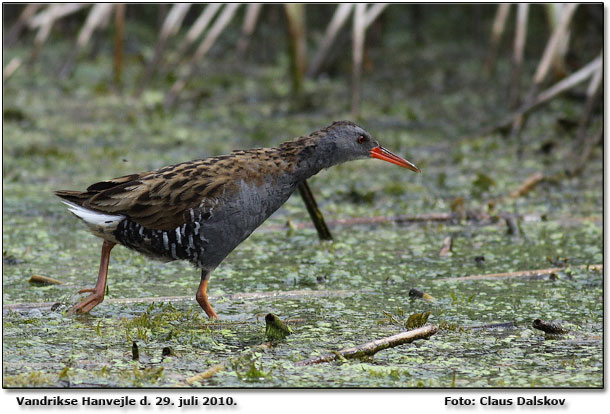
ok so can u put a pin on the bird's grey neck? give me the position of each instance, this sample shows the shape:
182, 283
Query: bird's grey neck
311, 160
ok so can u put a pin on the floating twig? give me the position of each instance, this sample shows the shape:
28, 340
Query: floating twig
527, 185
213, 370
371, 348
491, 326
246, 295
524, 188
206, 374
530, 274
401, 219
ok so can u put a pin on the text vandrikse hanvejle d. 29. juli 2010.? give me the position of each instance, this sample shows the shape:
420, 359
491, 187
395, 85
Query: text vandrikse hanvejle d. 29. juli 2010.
89, 401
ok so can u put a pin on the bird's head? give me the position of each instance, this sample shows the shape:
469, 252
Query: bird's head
344, 141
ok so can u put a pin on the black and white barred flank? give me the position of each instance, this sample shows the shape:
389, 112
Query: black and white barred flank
186, 242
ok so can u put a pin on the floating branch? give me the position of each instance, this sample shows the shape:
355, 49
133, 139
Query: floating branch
527, 185
213, 370
402, 219
371, 348
524, 188
247, 295
529, 274
210, 372
499, 325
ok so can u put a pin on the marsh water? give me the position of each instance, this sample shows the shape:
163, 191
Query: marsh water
426, 106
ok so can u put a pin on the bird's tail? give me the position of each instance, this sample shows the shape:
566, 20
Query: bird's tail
74, 197
100, 224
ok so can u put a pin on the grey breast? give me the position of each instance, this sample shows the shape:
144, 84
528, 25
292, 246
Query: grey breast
231, 222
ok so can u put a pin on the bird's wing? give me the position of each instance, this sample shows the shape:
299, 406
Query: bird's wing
159, 199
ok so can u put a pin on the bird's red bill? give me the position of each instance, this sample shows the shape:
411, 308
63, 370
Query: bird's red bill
383, 154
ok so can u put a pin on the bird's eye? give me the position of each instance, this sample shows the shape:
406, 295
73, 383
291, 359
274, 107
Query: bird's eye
361, 139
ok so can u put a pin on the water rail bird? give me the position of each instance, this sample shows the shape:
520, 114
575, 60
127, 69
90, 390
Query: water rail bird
201, 210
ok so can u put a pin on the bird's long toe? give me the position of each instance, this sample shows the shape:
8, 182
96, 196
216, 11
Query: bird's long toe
88, 303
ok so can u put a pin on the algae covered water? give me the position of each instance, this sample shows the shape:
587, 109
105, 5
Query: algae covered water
69, 134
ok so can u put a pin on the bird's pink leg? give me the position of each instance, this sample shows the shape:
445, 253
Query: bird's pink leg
97, 293
202, 296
